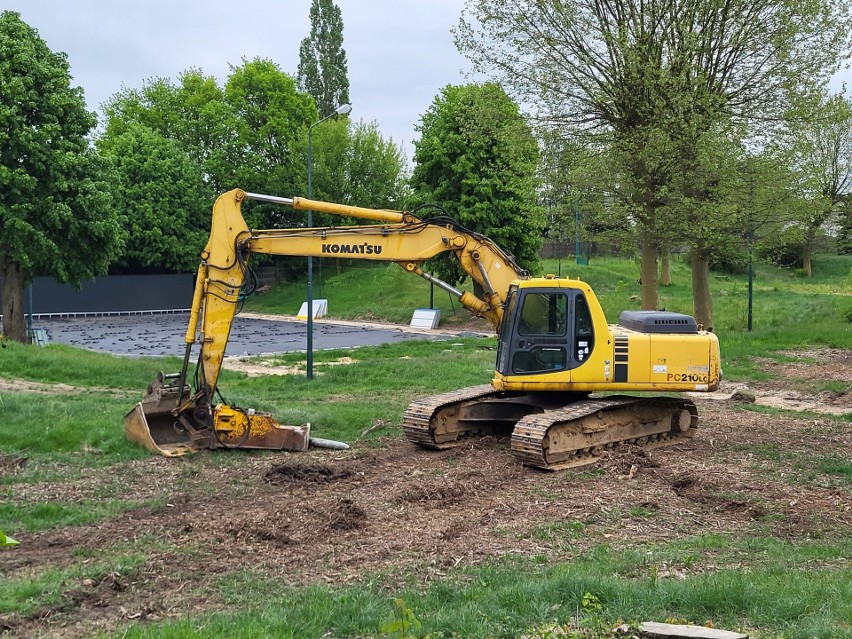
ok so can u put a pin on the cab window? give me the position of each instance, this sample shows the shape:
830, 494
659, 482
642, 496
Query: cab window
543, 332
584, 337
544, 314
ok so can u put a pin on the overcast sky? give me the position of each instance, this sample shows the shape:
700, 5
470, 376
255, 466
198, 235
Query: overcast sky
400, 52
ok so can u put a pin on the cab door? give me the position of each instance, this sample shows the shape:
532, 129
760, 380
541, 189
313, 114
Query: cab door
544, 331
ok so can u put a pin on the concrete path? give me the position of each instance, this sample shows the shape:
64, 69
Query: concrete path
250, 334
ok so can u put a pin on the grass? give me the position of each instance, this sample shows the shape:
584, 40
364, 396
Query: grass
65, 423
64, 364
791, 590
32, 517
55, 589
506, 598
794, 590
831, 467
354, 293
344, 400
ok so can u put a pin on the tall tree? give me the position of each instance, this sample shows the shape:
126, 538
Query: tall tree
655, 73
192, 113
702, 208
273, 118
322, 60
821, 153
247, 134
477, 158
56, 215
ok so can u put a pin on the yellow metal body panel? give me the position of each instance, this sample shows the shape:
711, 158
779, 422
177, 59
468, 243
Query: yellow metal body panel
218, 283
304, 204
658, 362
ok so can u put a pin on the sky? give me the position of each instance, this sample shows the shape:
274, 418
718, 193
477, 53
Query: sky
400, 52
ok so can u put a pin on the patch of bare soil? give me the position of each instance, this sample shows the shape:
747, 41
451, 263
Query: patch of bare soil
11, 464
288, 473
257, 367
25, 386
795, 379
334, 516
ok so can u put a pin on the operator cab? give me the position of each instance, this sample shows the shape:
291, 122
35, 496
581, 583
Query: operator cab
544, 330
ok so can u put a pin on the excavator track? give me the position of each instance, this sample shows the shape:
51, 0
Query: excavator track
544, 435
582, 432
434, 422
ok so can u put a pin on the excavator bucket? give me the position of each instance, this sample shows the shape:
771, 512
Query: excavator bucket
155, 433
152, 423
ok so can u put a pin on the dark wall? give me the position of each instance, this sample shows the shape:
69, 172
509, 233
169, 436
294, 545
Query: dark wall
113, 294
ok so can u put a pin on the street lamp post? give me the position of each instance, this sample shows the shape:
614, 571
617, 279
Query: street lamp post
343, 109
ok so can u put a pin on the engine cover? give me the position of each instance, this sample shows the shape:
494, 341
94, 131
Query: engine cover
657, 322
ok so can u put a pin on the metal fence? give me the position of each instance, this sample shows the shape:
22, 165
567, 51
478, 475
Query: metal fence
111, 295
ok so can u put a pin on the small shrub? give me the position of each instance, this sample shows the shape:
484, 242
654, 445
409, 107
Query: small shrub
404, 624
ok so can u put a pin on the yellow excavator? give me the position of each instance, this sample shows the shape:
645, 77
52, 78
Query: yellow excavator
555, 348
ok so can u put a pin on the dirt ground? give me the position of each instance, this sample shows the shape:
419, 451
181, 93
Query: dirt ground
330, 516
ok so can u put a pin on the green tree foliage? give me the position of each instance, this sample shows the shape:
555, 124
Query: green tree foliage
654, 77
354, 164
273, 117
174, 145
819, 150
162, 200
322, 60
56, 215
247, 134
579, 178
477, 159
192, 112
377, 168
702, 209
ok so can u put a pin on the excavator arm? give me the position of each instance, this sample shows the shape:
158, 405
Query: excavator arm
186, 419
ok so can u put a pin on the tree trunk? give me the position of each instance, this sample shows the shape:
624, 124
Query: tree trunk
702, 303
14, 326
666, 266
648, 270
808, 251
